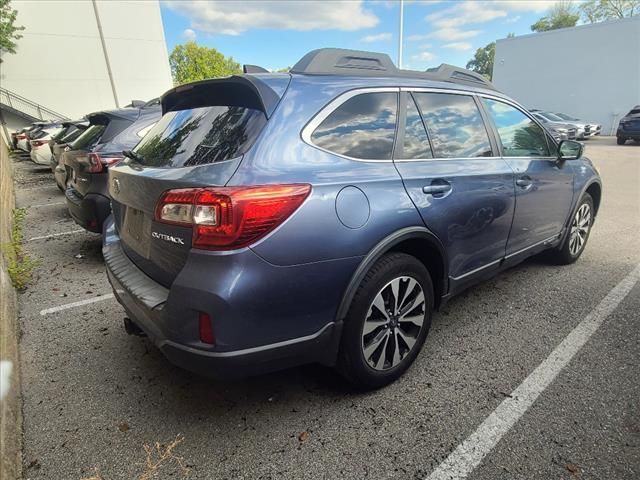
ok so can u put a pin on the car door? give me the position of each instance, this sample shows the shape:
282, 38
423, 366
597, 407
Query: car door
455, 177
544, 186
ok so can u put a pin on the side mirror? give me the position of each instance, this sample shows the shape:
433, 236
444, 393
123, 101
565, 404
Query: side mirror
569, 150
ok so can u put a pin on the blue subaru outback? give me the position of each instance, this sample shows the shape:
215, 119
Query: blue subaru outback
271, 220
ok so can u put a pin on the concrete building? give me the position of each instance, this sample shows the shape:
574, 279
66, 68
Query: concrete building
591, 71
80, 56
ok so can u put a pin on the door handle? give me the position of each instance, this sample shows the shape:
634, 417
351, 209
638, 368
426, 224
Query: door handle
437, 188
524, 182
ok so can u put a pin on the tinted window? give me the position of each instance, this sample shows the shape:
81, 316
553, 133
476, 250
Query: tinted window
90, 137
520, 136
454, 124
362, 127
199, 136
415, 143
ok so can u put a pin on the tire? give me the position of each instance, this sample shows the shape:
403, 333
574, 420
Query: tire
570, 250
368, 360
620, 140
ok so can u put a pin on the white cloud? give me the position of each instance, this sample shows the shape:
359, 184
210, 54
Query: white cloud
452, 34
233, 18
189, 35
458, 45
448, 22
424, 56
512, 19
377, 37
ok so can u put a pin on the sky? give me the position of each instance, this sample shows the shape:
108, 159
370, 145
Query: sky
275, 34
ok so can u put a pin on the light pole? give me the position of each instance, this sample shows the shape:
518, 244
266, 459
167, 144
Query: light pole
400, 34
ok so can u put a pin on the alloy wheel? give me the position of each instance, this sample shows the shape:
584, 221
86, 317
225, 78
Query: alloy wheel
393, 323
580, 229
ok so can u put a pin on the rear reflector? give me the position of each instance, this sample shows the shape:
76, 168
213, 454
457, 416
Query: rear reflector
226, 218
206, 328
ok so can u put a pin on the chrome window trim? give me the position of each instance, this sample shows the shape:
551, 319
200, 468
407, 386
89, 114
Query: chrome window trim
328, 109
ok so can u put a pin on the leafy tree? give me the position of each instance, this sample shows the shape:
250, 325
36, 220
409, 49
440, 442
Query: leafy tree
482, 61
190, 62
561, 15
594, 11
8, 31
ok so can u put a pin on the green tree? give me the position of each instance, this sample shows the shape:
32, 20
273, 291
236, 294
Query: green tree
594, 11
190, 62
561, 15
8, 30
482, 61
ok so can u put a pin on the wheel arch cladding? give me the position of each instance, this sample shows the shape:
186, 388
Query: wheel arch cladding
416, 241
595, 190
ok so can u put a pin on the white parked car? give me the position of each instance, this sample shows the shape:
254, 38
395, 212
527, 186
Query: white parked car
40, 149
591, 128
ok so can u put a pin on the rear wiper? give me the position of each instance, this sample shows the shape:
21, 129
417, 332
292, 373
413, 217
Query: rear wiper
133, 155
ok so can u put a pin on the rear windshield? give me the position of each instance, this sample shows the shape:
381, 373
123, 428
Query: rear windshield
634, 112
200, 136
89, 138
70, 136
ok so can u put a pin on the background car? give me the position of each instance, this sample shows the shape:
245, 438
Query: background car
70, 131
559, 130
591, 128
629, 126
111, 133
553, 119
39, 141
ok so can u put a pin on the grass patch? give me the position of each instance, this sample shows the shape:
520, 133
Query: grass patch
19, 265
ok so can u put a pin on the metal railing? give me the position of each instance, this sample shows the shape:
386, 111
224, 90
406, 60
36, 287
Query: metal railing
28, 107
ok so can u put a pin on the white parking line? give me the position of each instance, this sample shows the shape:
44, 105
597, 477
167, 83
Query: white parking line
46, 204
56, 235
47, 311
468, 455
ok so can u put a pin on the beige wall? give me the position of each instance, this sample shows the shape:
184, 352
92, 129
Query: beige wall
60, 62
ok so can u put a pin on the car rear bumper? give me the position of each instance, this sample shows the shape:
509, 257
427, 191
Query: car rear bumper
628, 134
41, 156
89, 211
256, 329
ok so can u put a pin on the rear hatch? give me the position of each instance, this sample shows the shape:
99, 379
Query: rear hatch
104, 126
205, 129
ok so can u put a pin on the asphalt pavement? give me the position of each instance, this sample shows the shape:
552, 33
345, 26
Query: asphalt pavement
95, 397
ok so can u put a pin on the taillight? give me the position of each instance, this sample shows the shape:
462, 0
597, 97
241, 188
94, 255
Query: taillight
225, 218
21, 136
98, 161
38, 143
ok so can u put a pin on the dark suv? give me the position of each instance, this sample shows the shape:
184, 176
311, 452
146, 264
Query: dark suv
271, 220
101, 146
629, 126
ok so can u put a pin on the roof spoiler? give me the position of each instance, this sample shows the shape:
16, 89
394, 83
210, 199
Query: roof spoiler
337, 61
236, 90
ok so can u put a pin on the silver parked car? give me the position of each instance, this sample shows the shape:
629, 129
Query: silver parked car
580, 127
591, 129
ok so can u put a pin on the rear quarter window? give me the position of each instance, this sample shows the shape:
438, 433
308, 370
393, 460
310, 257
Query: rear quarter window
200, 136
363, 127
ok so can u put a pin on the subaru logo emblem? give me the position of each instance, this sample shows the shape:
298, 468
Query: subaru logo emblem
116, 185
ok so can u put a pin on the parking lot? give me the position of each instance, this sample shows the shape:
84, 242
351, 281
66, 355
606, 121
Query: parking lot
94, 396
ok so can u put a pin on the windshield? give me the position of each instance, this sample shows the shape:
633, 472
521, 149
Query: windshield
635, 111
551, 116
565, 117
199, 136
89, 138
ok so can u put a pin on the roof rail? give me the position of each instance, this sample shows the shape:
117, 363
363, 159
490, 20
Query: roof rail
337, 61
